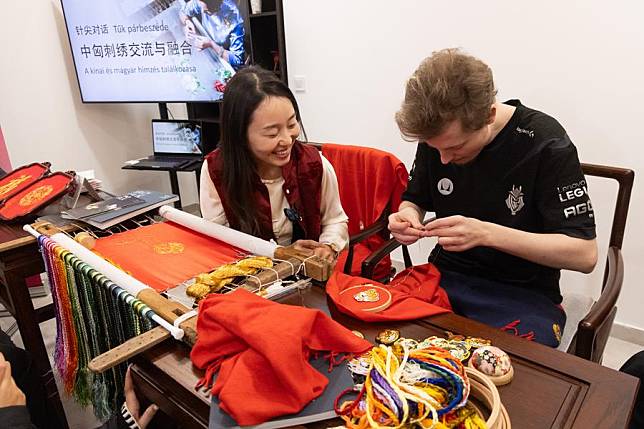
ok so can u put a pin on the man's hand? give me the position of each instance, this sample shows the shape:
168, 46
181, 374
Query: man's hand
458, 233
10, 395
405, 226
133, 403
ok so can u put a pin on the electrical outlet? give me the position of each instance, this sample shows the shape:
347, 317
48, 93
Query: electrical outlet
88, 174
300, 83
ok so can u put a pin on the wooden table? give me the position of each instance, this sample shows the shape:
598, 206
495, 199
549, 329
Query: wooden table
19, 259
550, 389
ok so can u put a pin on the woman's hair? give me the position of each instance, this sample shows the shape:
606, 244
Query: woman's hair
448, 85
247, 89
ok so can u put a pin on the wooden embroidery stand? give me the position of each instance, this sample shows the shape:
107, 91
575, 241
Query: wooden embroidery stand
170, 311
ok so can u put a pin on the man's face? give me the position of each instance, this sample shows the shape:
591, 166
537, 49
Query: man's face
457, 146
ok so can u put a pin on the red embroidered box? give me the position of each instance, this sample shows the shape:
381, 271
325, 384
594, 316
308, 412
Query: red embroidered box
20, 178
36, 195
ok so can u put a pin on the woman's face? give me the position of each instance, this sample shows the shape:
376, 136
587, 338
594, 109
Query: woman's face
271, 133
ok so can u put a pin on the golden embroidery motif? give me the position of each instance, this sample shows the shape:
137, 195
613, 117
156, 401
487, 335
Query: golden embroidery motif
369, 295
169, 248
13, 184
35, 196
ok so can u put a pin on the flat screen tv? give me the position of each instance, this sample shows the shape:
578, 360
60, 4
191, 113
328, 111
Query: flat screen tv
128, 51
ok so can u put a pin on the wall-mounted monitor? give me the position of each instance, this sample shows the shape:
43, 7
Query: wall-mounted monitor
129, 51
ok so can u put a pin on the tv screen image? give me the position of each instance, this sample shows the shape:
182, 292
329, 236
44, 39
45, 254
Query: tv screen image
156, 50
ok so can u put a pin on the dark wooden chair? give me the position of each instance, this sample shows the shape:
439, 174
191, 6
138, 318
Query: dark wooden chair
591, 329
367, 230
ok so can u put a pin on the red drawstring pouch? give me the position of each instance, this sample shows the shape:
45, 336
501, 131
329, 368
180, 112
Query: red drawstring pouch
261, 351
413, 294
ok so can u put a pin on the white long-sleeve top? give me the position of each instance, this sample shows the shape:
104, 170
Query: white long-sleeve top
333, 222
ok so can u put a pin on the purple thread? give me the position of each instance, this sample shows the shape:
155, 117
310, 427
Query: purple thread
384, 385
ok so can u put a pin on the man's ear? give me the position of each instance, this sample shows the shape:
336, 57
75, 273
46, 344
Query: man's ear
492, 115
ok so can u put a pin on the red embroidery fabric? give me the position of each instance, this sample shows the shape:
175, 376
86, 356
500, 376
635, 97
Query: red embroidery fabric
165, 254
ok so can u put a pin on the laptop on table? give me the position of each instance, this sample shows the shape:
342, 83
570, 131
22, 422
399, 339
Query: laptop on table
176, 144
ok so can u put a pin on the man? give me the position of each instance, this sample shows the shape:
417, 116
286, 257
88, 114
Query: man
508, 191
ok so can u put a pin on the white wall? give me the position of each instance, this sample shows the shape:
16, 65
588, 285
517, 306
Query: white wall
578, 61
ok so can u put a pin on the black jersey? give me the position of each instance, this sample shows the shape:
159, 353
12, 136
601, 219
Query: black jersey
528, 178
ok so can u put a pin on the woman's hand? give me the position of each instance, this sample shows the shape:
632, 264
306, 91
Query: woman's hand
312, 247
325, 251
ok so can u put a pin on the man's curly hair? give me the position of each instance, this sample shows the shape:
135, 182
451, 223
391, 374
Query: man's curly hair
448, 85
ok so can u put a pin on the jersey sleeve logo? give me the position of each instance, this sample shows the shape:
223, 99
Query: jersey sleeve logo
514, 201
575, 191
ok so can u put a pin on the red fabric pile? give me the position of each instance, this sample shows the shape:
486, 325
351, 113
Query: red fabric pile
261, 350
415, 293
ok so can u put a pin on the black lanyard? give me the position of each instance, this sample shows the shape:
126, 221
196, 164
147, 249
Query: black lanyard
296, 220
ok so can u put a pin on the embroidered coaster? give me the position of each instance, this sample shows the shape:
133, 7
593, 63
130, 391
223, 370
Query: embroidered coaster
493, 362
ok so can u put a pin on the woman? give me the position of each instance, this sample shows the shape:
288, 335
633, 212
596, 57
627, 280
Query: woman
264, 182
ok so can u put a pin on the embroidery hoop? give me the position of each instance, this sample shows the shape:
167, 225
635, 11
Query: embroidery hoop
483, 389
384, 295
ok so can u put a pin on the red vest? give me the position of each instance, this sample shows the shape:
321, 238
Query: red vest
302, 187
